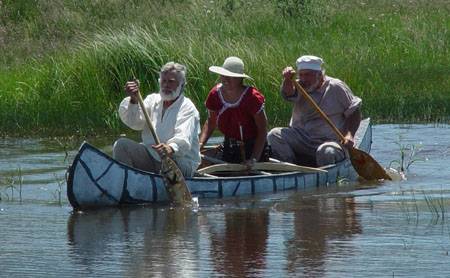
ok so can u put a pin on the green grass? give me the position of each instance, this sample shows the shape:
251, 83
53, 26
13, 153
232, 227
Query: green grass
408, 155
64, 63
12, 182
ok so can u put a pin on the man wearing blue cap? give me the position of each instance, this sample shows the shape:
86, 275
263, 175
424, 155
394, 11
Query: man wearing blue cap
309, 140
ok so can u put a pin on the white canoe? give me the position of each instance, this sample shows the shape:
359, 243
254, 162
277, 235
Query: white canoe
97, 180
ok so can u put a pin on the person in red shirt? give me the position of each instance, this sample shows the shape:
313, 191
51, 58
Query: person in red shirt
238, 111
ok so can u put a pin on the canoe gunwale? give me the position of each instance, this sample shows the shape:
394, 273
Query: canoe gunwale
202, 187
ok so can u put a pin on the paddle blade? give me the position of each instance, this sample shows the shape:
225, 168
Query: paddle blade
366, 166
175, 183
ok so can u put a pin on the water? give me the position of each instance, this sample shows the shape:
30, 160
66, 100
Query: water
388, 229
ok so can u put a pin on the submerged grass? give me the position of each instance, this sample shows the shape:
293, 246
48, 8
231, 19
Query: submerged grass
64, 62
12, 182
409, 204
57, 191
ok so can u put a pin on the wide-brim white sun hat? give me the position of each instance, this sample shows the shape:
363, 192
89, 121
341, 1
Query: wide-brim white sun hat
309, 62
232, 67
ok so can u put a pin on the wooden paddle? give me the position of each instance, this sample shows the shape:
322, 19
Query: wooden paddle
263, 166
278, 166
174, 181
364, 164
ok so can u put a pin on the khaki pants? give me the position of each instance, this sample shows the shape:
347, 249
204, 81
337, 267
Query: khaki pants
330, 153
136, 155
292, 145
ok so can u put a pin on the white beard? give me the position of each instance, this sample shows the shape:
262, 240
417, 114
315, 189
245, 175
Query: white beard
313, 87
172, 95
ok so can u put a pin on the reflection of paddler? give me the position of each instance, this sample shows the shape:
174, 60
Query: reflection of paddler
153, 237
90, 233
165, 241
235, 108
316, 224
242, 247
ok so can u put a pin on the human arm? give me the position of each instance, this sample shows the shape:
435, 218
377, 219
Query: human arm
208, 128
351, 106
261, 124
287, 88
132, 89
352, 124
129, 111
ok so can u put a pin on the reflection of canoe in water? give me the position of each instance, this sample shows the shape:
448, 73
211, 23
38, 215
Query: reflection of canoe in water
96, 179
236, 239
132, 241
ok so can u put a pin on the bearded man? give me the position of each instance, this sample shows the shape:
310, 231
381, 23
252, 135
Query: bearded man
309, 140
175, 119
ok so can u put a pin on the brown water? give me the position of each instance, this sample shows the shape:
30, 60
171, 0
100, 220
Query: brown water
388, 229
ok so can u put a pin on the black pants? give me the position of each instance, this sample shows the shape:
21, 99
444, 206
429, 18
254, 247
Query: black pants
230, 150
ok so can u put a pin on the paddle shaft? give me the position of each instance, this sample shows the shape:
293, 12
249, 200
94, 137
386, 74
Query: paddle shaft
314, 104
146, 115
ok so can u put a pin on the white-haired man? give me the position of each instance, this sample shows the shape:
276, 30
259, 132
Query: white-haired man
309, 140
175, 119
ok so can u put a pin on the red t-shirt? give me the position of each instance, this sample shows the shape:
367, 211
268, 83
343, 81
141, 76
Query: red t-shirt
231, 115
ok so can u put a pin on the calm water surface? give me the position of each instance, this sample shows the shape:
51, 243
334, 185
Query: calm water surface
382, 229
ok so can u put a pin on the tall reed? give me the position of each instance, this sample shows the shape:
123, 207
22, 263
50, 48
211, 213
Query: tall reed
65, 62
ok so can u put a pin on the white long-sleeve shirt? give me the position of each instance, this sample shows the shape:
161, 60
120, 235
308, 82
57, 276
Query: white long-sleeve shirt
179, 128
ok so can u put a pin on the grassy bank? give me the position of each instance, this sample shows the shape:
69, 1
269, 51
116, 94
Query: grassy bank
64, 62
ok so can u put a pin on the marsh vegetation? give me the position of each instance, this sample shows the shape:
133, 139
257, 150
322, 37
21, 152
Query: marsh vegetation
64, 63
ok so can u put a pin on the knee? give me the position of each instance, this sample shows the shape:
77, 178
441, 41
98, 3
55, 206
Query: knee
120, 146
329, 153
120, 143
274, 134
